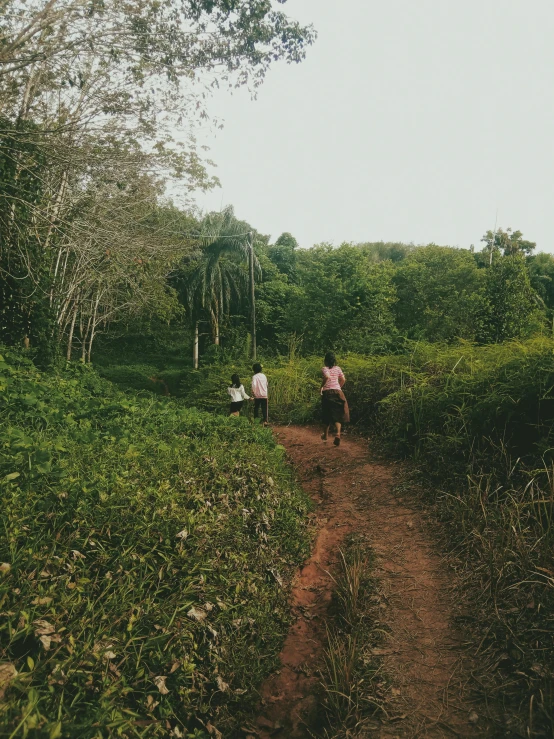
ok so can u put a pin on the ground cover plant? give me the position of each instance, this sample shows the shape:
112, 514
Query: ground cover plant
145, 553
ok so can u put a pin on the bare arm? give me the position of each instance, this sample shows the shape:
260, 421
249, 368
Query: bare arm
324, 380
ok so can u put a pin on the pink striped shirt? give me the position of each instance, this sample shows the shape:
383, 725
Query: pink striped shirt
332, 377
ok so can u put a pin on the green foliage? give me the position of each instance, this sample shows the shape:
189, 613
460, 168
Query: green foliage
144, 544
541, 275
440, 294
511, 309
508, 242
346, 302
362, 298
283, 254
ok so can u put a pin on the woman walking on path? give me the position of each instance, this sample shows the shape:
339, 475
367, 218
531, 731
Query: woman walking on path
334, 406
238, 395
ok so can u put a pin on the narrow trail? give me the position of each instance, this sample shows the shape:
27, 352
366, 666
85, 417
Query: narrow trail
422, 654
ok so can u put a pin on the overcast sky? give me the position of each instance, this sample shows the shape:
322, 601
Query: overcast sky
410, 120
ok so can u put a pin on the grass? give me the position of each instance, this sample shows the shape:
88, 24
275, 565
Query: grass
351, 676
140, 541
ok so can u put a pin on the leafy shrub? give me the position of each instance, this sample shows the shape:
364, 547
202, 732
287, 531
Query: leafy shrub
144, 546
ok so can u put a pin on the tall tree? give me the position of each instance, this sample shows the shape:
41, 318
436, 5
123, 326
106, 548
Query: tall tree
541, 274
345, 302
283, 254
508, 242
220, 276
440, 294
511, 309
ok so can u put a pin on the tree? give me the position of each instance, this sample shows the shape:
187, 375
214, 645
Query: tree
219, 278
97, 88
440, 294
345, 302
541, 275
506, 242
23, 264
283, 254
511, 309
138, 57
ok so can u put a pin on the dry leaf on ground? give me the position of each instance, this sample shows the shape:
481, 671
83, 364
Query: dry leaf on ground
159, 681
213, 731
43, 627
198, 614
42, 601
7, 674
221, 684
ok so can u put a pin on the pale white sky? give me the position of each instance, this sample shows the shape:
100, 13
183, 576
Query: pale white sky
410, 120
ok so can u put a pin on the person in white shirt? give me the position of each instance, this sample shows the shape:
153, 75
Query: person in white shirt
238, 395
259, 391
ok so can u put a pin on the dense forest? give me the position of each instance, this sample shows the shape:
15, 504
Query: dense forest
149, 541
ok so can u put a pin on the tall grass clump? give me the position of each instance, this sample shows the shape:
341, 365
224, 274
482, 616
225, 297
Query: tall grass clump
353, 687
143, 553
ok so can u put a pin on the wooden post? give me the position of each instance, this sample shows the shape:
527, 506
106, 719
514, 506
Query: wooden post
252, 295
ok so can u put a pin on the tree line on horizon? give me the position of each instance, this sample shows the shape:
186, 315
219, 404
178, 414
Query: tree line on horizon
369, 297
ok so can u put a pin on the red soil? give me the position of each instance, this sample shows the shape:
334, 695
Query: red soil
423, 657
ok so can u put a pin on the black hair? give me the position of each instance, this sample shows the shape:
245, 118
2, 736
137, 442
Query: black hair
256, 368
330, 360
235, 379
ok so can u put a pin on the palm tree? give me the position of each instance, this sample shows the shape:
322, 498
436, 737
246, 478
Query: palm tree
222, 275
217, 281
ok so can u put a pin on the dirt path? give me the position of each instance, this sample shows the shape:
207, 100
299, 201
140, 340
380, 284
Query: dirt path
422, 655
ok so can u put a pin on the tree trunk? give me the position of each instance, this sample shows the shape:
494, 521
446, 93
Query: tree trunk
93, 327
71, 330
195, 347
84, 341
216, 330
56, 210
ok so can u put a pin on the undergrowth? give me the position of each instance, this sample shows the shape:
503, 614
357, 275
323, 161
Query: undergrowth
144, 557
354, 687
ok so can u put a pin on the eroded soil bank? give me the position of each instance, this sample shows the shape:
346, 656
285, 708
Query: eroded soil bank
428, 671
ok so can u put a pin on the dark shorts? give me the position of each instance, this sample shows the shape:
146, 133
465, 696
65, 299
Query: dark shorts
236, 406
334, 407
260, 403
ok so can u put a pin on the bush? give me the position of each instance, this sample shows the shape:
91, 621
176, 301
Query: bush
144, 546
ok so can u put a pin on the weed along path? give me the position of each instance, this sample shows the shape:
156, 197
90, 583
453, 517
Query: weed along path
418, 683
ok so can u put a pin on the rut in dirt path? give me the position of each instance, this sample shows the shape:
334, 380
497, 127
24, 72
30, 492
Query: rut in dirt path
422, 654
